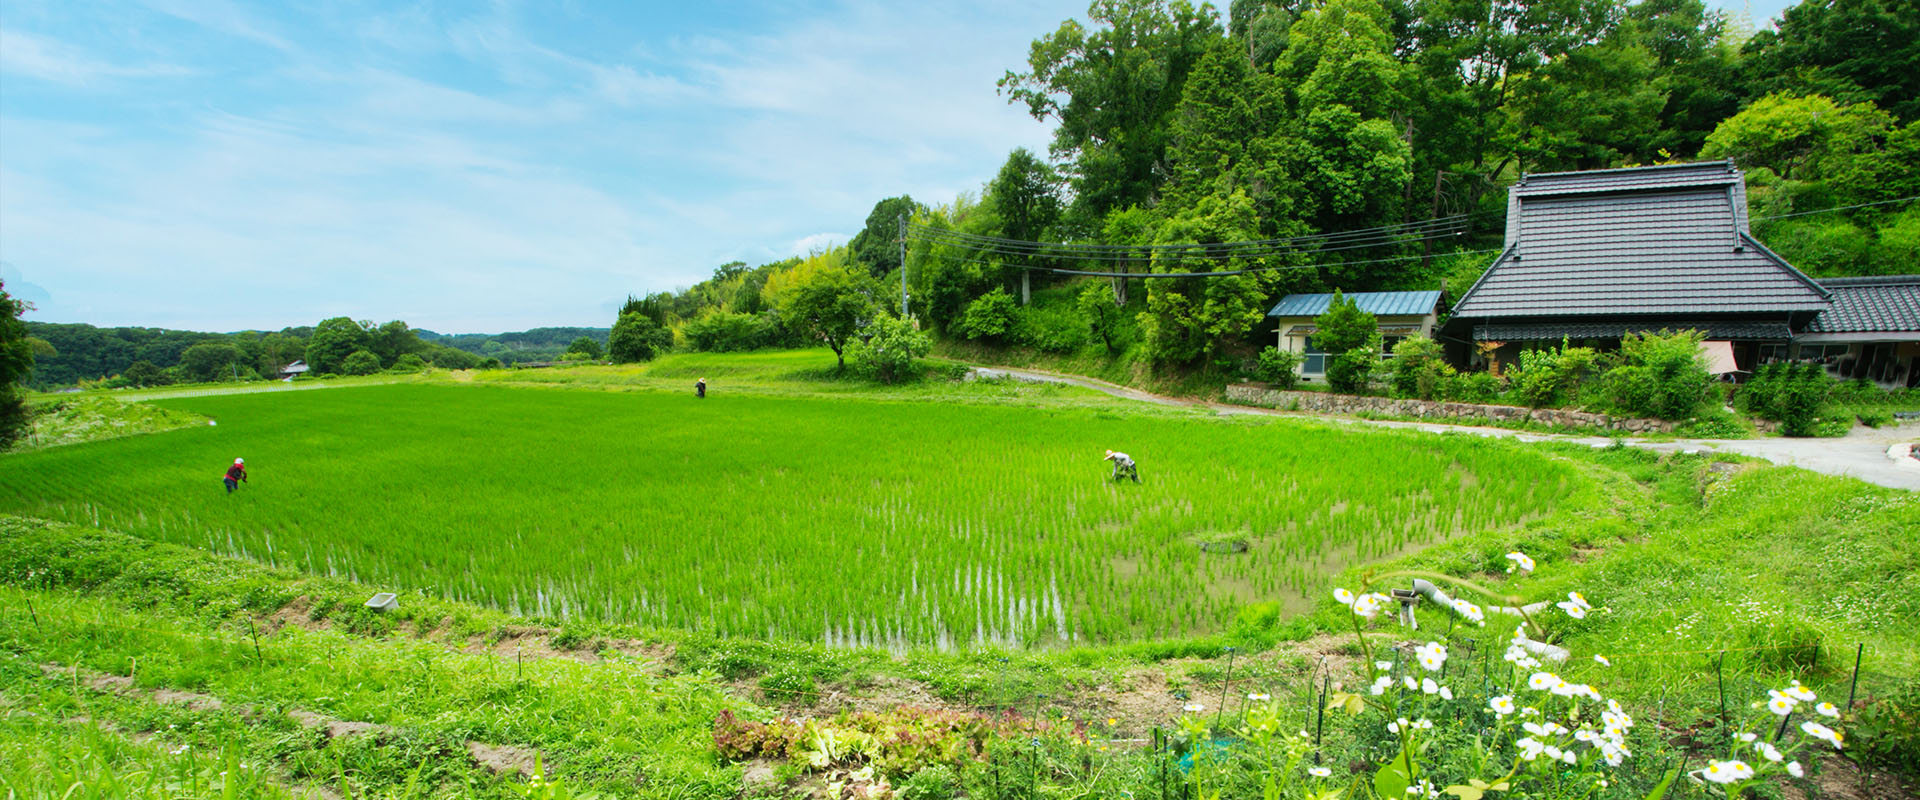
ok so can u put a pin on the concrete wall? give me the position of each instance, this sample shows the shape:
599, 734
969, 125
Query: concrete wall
1258, 394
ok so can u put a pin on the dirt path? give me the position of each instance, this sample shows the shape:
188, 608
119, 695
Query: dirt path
1861, 454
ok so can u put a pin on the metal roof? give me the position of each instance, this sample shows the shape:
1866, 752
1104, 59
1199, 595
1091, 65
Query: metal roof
1380, 304
1649, 240
1870, 305
1555, 331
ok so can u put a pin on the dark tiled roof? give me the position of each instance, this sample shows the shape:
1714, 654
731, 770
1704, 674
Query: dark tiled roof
1655, 240
1554, 331
1376, 303
1870, 305
1637, 179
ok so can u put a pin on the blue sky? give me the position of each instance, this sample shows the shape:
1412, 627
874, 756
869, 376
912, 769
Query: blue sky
472, 167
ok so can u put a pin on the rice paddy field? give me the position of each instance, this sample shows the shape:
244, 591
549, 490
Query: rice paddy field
849, 520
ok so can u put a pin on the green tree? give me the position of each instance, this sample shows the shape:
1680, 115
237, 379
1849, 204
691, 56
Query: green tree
411, 362
16, 363
1025, 197
1103, 315
209, 362
1801, 138
1111, 90
332, 341
884, 351
637, 337
827, 303
393, 340
144, 373
587, 346
1351, 339
1187, 318
360, 362
878, 244
1850, 50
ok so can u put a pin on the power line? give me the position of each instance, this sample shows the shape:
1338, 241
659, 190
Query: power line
1378, 231
1840, 208
1218, 274
1198, 251
1384, 234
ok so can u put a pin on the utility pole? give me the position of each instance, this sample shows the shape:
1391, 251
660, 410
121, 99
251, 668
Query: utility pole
903, 266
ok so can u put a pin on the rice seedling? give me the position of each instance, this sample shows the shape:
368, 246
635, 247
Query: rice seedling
846, 520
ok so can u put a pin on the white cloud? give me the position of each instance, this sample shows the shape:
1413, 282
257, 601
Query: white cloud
817, 243
534, 182
50, 60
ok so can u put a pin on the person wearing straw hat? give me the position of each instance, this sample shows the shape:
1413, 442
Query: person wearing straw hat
235, 474
700, 388
1123, 465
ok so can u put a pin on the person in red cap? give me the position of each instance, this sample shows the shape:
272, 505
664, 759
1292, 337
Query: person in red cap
235, 474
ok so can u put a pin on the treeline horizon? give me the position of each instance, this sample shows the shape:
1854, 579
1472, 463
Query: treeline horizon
68, 353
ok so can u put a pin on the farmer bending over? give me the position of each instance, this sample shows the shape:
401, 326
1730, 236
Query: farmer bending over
700, 388
1123, 465
236, 474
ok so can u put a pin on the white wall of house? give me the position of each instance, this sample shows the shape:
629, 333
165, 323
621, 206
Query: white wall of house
1293, 333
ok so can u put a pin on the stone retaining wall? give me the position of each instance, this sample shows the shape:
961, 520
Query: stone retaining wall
1256, 394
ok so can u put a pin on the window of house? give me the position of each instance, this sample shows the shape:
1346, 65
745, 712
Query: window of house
1823, 353
1770, 353
1387, 344
1314, 361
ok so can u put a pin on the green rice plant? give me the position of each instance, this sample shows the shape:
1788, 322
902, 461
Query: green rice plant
837, 519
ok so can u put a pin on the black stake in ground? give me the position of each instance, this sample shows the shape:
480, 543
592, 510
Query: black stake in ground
34, 614
1224, 690
255, 631
1320, 724
1720, 676
1855, 684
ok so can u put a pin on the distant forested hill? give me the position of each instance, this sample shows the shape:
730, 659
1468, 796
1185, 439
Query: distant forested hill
538, 344
77, 352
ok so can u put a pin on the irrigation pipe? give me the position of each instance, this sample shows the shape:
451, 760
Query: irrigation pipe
1426, 588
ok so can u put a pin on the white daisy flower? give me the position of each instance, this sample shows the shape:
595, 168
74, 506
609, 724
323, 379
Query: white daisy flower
1319, 772
1502, 705
1819, 731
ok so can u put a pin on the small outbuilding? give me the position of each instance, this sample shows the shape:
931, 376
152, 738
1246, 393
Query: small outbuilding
1871, 331
295, 368
1400, 315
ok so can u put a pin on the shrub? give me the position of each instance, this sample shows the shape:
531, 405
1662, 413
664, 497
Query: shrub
1888, 729
360, 362
1278, 367
409, 363
989, 317
727, 332
450, 358
1052, 329
490, 363
1473, 387
1420, 368
1660, 375
936, 782
1876, 417
1794, 395
1550, 378
1352, 370
886, 349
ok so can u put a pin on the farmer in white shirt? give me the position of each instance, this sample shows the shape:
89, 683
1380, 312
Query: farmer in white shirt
1123, 465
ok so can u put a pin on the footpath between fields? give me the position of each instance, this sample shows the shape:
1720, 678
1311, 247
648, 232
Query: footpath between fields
1862, 453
